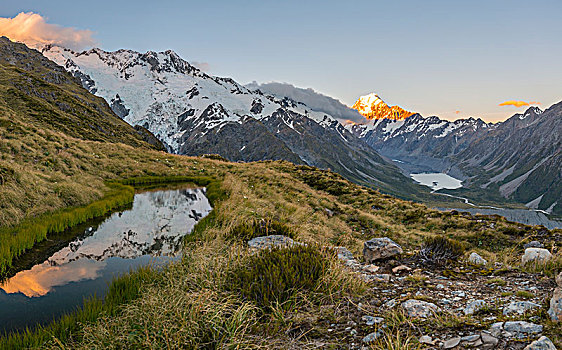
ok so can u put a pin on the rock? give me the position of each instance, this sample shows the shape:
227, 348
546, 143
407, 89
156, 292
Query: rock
390, 304
488, 339
476, 259
347, 257
533, 244
371, 268
522, 329
401, 268
328, 212
559, 280
371, 337
344, 253
371, 321
267, 242
474, 306
496, 329
419, 308
471, 340
377, 277
555, 310
426, 339
543, 343
451, 343
537, 255
380, 248
519, 307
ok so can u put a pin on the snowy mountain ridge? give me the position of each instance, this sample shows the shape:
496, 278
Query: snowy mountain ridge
194, 113
154, 89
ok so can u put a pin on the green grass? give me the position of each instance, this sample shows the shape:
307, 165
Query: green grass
274, 276
123, 289
16, 240
261, 227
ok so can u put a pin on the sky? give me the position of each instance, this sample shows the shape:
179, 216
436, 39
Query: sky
454, 59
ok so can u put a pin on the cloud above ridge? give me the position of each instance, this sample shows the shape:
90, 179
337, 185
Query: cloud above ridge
33, 30
314, 100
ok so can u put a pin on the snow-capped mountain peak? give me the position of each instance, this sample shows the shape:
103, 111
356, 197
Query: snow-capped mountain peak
373, 107
194, 113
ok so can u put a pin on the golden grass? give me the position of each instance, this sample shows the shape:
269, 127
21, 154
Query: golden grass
44, 171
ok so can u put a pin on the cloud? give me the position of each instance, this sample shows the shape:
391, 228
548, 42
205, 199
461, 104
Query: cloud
519, 103
32, 29
314, 100
202, 66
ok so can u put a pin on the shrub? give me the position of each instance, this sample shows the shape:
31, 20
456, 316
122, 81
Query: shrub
261, 227
275, 276
440, 250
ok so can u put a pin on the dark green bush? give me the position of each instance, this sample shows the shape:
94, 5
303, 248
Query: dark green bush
440, 250
261, 227
277, 275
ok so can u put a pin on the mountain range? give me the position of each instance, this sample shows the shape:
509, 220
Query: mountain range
518, 159
194, 113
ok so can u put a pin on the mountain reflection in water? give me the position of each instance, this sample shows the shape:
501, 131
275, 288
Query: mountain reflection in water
151, 230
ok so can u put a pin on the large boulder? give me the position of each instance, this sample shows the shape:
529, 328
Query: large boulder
521, 329
476, 259
380, 248
536, 255
543, 343
419, 308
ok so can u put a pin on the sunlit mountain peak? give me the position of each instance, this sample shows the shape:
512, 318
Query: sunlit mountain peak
373, 107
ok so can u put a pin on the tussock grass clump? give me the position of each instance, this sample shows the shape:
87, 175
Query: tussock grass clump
274, 276
440, 250
324, 180
261, 227
215, 157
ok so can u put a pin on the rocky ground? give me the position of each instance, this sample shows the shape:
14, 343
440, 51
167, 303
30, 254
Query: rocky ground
460, 305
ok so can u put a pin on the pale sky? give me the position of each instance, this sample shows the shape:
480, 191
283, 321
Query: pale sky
432, 57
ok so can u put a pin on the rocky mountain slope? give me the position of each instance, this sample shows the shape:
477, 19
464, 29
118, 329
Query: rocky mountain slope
45, 94
194, 113
518, 159
420, 143
521, 158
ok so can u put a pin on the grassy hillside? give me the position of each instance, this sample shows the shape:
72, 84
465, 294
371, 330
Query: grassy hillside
196, 300
222, 295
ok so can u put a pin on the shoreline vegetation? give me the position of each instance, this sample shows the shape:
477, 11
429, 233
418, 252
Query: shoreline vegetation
123, 288
15, 241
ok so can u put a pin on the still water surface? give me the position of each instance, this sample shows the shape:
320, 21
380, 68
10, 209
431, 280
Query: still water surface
149, 233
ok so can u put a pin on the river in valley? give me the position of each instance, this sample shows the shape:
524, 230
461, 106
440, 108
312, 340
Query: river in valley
150, 232
437, 181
